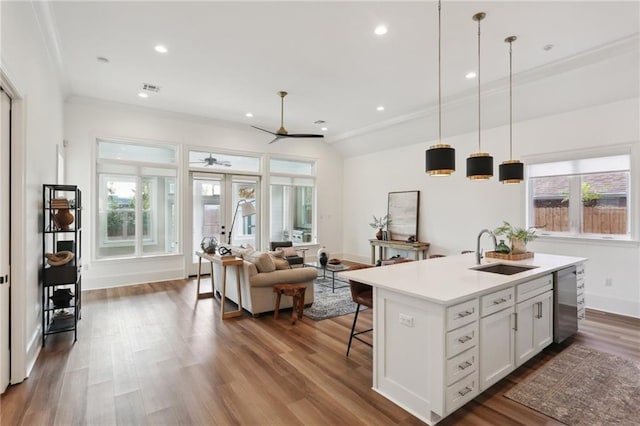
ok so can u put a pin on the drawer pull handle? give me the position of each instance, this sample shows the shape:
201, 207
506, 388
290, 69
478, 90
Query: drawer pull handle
464, 339
465, 391
581, 302
465, 313
465, 365
580, 287
499, 301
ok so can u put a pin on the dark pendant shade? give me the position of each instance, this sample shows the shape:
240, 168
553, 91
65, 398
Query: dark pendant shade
440, 160
480, 166
511, 171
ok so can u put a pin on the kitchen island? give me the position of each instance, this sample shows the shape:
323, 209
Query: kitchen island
445, 331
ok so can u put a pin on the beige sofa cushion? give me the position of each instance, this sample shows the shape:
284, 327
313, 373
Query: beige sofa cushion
288, 276
263, 262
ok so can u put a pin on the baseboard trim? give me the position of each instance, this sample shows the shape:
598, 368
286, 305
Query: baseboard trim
596, 312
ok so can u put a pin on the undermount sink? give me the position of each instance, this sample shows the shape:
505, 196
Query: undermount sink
503, 269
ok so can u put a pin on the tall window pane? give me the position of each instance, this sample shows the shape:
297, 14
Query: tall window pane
116, 215
551, 203
604, 203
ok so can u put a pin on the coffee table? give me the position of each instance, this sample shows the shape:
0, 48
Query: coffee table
332, 269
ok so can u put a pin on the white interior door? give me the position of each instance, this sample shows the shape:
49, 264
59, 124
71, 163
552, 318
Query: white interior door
5, 138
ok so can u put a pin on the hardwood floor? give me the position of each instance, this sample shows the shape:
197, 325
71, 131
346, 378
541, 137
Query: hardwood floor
154, 354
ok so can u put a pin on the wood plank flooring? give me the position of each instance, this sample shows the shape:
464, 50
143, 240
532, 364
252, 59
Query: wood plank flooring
153, 354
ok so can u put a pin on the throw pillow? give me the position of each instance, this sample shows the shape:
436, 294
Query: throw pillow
262, 261
289, 251
280, 262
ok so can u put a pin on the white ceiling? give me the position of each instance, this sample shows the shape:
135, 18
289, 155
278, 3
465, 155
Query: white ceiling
229, 58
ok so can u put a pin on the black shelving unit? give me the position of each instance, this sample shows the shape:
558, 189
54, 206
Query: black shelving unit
58, 314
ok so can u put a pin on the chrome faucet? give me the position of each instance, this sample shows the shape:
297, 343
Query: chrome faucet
478, 252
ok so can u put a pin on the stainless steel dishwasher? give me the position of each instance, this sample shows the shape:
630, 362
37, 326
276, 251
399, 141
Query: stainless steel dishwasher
565, 304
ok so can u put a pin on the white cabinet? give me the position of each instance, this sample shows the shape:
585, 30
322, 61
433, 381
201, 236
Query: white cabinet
497, 343
534, 326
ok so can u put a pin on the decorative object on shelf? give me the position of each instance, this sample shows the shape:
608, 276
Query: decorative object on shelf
480, 164
59, 258
61, 298
440, 159
335, 261
209, 245
62, 219
412, 239
503, 248
224, 251
518, 237
248, 209
323, 256
380, 224
511, 171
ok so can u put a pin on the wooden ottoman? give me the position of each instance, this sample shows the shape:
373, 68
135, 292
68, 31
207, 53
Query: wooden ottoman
297, 292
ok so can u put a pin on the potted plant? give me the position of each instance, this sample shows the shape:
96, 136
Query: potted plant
589, 197
380, 224
518, 237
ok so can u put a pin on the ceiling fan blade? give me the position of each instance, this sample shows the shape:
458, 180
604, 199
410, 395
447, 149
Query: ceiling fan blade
264, 130
277, 138
304, 135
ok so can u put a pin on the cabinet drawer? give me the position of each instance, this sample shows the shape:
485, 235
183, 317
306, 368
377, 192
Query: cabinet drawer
461, 314
462, 365
461, 393
462, 339
496, 301
581, 313
580, 271
533, 288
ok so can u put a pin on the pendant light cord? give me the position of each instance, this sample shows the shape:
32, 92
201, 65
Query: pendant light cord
479, 143
510, 101
439, 75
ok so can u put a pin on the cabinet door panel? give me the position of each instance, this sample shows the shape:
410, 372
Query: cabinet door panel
496, 347
543, 321
525, 347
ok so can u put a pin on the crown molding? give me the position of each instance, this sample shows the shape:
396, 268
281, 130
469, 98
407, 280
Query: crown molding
45, 18
623, 46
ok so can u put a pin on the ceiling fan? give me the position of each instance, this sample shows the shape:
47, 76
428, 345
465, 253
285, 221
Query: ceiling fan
210, 161
282, 132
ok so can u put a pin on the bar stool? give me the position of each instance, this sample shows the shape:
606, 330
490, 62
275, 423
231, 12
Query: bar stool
362, 294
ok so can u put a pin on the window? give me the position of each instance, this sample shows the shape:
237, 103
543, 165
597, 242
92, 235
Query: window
292, 201
586, 197
137, 210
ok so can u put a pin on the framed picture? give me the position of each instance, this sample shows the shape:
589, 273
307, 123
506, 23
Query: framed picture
403, 210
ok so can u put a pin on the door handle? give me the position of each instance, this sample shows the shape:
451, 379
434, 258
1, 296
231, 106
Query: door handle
4, 279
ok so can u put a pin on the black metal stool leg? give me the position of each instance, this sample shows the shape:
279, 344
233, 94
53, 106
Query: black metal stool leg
353, 328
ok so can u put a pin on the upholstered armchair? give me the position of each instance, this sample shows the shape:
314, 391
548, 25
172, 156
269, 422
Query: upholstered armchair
290, 253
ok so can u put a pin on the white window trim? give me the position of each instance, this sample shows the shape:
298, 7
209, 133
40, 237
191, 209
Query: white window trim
633, 150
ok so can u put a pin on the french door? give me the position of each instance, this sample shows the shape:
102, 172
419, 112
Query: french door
5, 138
226, 207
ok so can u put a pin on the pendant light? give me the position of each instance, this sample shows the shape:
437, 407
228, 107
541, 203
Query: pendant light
440, 158
480, 164
511, 171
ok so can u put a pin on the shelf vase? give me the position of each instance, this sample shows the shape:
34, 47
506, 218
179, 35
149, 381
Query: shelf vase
63, 218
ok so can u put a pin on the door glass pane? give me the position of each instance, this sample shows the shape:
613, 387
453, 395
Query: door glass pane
207, 213
551, 203
244, 230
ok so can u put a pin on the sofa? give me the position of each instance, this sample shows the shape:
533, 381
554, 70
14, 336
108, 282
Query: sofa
259, 272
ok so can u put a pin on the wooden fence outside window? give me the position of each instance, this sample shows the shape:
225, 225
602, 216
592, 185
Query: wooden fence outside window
595, 220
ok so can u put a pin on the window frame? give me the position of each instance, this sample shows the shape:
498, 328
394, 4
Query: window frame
138, 177
575, 226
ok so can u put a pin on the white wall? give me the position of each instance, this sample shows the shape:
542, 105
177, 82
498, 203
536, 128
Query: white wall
86, 120
453, 209
26, 61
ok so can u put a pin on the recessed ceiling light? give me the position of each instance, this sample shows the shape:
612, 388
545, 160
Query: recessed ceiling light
143, 95
470, 75
102, 60
547, 47
324, 129
161, 49
380, 30
248, 115
380, 108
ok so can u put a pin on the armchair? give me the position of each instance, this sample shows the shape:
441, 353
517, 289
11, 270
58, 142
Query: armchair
290, 254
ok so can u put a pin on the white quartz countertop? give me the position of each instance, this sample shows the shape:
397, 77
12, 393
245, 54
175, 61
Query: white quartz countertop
452, 279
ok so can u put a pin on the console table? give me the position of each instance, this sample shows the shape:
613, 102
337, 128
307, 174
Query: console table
382, 245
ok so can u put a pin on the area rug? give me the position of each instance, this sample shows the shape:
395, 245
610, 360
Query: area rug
582, 386
327, 304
